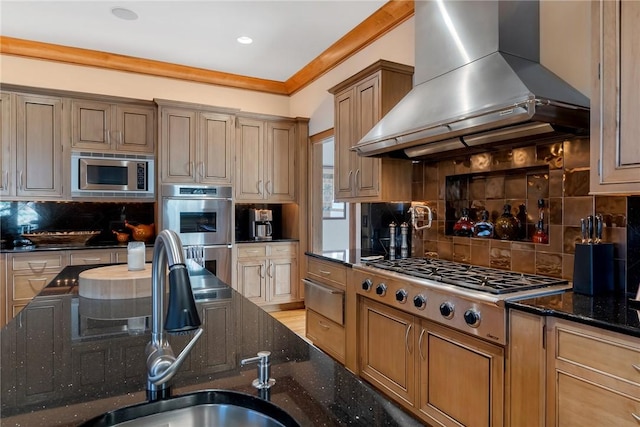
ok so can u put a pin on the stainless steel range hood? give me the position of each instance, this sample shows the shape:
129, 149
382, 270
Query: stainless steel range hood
478, 83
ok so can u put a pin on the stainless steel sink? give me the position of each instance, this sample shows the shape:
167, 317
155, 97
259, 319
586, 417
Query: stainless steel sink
203, 408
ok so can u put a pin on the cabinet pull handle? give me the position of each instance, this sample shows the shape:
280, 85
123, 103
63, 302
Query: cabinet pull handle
325, 272
42, 281
191, 167
20, 180
406, 338
350, 174
636, 367
420, 343
90, 260
5, 183
269, 269
259, 186
37, 265
322, 325
355, 180
262, 271
120, 138
269, 184
201, 169
636, 417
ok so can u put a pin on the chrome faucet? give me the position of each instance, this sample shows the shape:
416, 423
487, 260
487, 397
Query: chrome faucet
182, 315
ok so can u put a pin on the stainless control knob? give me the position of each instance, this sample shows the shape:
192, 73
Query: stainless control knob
472, 317
447, 310
381, 289
420, 302
366, 285
401, 296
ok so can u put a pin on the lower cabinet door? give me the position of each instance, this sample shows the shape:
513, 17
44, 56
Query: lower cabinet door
461, 378
387, 350
582, 403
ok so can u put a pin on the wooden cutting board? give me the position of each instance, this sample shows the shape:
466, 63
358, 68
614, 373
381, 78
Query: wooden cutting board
115, 282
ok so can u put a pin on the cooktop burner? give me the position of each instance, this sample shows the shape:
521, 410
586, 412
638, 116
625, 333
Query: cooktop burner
474, 277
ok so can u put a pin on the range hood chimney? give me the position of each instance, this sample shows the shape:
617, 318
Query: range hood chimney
478, 83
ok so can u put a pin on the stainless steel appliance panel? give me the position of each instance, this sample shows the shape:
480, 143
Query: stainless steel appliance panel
217, 260
198, 221
324, 300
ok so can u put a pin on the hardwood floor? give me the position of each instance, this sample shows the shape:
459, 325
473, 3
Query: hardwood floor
295, 320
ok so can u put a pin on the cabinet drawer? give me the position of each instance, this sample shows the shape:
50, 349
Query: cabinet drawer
285, 250
27, 286
252, 251
583, 403
325, 300
327, 272
612, 356
37, 263
90, 257
327, 335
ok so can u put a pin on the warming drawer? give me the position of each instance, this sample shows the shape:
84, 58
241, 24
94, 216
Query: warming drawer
324, 300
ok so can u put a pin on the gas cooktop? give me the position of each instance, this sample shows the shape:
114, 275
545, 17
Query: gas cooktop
484, 279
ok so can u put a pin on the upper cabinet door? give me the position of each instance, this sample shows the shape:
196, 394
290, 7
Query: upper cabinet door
6, 146
39, 146
91, 125
343, 159
367, 178
135, 129
280, 161
615, 101
178, 147
215, 148
250, 183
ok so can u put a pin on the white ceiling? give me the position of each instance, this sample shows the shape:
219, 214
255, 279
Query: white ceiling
287, 34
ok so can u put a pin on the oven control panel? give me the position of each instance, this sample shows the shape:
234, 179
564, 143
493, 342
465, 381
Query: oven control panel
476, 317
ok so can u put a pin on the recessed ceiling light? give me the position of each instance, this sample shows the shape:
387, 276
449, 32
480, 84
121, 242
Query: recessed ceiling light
245, 40
126, 14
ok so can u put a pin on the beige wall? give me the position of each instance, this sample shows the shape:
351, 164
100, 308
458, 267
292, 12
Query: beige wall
564, 49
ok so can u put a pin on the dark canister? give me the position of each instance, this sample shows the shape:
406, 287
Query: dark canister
507, 225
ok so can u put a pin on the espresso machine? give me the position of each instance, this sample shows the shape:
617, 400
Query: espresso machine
260, 224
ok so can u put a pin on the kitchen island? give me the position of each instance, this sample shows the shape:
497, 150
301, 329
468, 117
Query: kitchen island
66, 359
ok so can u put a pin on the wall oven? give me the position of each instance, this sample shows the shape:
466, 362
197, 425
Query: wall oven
202, 217
100, 175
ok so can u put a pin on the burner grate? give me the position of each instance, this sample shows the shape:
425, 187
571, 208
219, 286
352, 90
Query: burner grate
478, 278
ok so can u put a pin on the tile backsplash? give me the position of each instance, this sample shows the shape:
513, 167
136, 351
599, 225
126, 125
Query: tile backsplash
72, 216
555, 171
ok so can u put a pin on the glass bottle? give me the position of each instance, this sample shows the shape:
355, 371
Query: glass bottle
484, 227
464, 226
507, 225
540, 235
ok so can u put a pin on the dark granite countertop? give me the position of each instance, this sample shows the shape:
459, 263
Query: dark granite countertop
56, 370
617, 314
348, 257
240, 242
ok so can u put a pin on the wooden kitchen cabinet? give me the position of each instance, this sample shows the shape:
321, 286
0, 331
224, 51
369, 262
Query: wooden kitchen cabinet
32, 146
196, 145
461, 378
266, 160
6, 150
615, 97
330, 283
104, 126
27, 274
387, 350
267, 273
599, 386
360, 102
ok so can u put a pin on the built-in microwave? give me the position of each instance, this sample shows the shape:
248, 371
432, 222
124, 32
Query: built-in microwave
112, 175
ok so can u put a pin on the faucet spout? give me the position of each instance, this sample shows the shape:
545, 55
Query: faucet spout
182, 314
